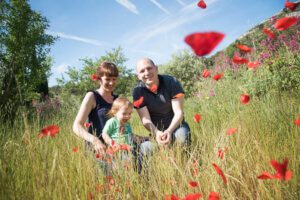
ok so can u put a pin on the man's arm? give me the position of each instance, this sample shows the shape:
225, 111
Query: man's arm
148, 124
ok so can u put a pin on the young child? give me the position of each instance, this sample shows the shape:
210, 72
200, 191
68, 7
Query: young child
117, 130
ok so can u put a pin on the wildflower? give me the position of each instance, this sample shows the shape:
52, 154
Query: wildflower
94, 77
218, 76
220, 172
281, 171
239, 60
297, 121
201, 4
253, 65
231, 131
204, 43
244, 48
205, 73
51, 130
197, 118
193, 184
285, 22
269, 33
75, 149
291, 6
192, 196
171, 197
245, 98
138, 102
213, 196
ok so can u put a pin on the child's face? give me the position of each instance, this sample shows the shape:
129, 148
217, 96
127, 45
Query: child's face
124, 114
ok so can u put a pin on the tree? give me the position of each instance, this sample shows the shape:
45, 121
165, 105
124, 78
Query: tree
24, 61
80, 80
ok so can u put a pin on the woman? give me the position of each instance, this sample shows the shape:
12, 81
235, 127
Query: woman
96, 105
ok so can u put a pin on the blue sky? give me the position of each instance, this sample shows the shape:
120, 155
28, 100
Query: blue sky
143, 28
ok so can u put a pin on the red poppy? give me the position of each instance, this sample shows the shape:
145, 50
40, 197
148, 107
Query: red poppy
87, 124
297, 121
171, 197
98, 156
265, 175
205, 73
99, 188
239, 60
213, 196
113, 143
269, 33
153, 88
285, 22
253, 65
125, 147
51, 130
193, 184
94, 77
220, 153
90, 196
220, 172
179, 95
201, 4
281, 170
218, 76
197, 118
290, 5
75, 149
245, 98
192, 196
231, 131
244, 48
204, 43
138, 102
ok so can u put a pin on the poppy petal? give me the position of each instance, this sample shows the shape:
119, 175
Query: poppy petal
138, 102
197, 118
192, 196
171, 197
193, 184
220, 172
231, 131
265, 175
218, 76
285, 22
291, 5
297, 121
244, 48
213, 196
245, 98
205, 73
204, 43
253, 65
201, 4
239, 60
269, 33
94, 77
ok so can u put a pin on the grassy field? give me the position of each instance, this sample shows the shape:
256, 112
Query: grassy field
47, 168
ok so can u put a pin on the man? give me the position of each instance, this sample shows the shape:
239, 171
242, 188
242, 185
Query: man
161, 110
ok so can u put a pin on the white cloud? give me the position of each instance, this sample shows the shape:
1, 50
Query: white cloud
130, 6
181, 2
76, 38
160, 7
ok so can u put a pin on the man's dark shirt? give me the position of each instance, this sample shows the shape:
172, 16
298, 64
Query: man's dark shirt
159, 105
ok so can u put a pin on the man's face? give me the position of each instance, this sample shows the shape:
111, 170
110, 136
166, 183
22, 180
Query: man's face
147, 72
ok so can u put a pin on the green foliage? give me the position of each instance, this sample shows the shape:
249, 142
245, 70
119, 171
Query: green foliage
186, 68
80, 79
24, 64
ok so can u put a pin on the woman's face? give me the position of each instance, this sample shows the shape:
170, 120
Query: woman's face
108, 83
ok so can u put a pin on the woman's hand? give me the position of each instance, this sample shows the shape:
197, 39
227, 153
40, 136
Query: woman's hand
99, 146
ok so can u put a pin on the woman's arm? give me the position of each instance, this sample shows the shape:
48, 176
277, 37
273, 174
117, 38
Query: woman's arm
86, 107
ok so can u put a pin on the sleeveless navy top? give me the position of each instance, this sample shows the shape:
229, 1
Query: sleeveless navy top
98, 116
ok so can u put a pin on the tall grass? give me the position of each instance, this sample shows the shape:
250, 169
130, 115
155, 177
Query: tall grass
46, 168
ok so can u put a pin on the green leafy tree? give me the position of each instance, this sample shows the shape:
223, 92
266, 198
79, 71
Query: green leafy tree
24, 62
80, 81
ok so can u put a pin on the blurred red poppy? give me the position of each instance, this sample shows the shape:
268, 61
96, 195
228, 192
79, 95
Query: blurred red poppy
75, 149
125, 147
220, 153
253, 65
87, 124
94, 77
204, 43
220, 172
201, 4
239, 60
171, 197
179, 95
243, 48
265, 175
51, 130
193, 184
197, 118
297, 121
245, 98
153, 88
218, 76
205, 73
138, 102
291, 6
231, 131
213, 196
281, 170
285, 23
269, 33
192, 196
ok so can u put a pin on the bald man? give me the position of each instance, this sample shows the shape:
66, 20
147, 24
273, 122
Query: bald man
161, 111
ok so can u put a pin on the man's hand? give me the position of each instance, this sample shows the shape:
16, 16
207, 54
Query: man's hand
167, 137
160, 137
99, 146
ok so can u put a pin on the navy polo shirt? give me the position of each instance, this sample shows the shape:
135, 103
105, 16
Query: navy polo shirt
159, 105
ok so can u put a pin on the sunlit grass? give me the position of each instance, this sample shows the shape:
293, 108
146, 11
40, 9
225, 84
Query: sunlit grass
46, 168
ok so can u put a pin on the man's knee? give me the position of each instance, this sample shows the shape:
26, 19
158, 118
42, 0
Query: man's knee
182, 135
146, 148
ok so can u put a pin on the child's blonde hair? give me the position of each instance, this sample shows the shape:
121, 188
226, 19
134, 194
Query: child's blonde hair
118, 104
